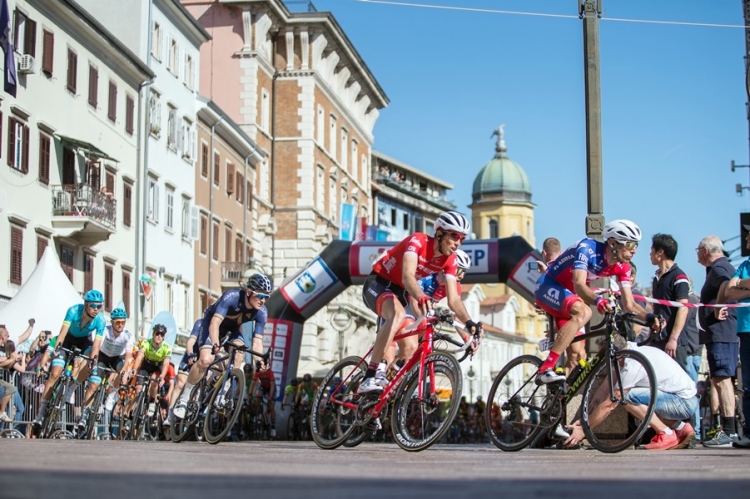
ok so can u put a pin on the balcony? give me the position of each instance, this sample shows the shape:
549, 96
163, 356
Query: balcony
83, 213
231, 274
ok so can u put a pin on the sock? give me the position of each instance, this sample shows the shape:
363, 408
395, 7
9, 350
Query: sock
667, 431
680, 425
381, 368
552, 359
716, 420
727, 424
186, 392
371, 369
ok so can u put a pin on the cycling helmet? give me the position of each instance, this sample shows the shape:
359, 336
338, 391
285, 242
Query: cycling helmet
160, 329
306, 378
336, 379
93, 296
118, 313
294, 382
259, 282
622, 231
453, 220
463, 260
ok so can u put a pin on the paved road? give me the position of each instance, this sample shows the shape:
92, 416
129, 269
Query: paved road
114, 470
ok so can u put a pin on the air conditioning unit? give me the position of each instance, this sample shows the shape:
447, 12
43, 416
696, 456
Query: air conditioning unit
26, 64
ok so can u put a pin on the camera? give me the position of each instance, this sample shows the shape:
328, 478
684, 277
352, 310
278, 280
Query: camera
533, 265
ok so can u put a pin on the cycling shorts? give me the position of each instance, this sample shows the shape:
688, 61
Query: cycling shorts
377, 290
554, 298
82, 343
110, 362
147, 369
184, 367
204, 341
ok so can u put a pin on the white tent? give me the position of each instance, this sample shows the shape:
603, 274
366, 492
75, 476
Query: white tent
46, 297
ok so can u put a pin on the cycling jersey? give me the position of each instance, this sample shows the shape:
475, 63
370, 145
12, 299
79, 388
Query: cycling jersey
94, 328
231, 307
116, 346
308, 392
265, 378
155, 356
390, 265
431, 287
588, 255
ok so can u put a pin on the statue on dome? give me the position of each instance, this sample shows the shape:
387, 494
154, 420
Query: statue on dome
500, 132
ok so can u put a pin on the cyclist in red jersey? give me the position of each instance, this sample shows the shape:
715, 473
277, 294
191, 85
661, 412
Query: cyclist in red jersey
395, 277
264, 383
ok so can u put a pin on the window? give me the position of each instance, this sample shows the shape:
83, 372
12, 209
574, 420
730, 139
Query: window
108, 289
354, 161
238, 247
170, 297
126, 290
344, 148
203, 298
320, 186
215, 241
18, 145
48, 52
332, 205
217, 170
264, 109
154, 113
129, 114
406, 221
204, 160
230, 178
494, 229
187, 139
44, 158
185, 218
204, 234
174, 51
156, 42
93, 86
172, 128
110, 182
188, 77
393, 217
152, 212
321, 126
332, 136
170, 209
72, 71
240, 190
228, 244
364, 170
248, 195
88, 272
66, 260
41, 245
127, 205
24, 34
93, 175
16, 255
112, 108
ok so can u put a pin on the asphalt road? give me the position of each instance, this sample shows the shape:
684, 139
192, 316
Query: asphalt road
62, 469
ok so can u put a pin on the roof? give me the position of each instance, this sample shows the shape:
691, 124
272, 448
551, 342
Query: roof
501, 174
411, 169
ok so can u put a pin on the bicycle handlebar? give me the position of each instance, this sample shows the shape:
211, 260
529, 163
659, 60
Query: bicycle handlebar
77, 353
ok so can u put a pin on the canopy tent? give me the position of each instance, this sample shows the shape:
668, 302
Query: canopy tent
46, 296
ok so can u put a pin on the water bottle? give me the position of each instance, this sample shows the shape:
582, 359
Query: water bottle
68, 370
395, 367
576, 371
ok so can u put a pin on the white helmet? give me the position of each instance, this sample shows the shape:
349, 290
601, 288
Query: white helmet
463, 260
622, 231
453, 220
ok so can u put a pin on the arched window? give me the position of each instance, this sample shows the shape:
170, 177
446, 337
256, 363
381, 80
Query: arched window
494, 229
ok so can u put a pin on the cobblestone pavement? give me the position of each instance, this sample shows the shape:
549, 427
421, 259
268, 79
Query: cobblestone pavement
112, 470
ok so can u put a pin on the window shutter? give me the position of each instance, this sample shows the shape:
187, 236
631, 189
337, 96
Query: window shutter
48, 52
44, 158
249, 196
72, 70
228, 244
217, 172
29, 45
156, 203
238, 249
11, 142
126, 291
194, 220
93, 86
88, 270
204, 235
129, 113
66, 260
127, 205
108, 277
16, 255
215, 245
112, 109
230, 178
41, 245
110, 183
204, 160
25, 158
240, 187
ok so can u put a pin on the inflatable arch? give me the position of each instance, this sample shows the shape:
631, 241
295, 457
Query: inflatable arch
346, 263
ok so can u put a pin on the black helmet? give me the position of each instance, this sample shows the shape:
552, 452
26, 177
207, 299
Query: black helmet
259, 282
306, 377
294, 382
159, 329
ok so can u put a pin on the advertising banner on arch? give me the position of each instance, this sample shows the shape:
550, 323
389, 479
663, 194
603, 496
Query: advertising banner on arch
316, 279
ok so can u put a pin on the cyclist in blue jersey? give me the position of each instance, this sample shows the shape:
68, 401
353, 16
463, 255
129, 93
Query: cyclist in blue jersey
224, 318
82, 328
563, 291
188, 359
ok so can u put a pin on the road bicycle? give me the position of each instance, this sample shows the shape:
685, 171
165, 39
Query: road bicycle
216, 402
96, 412
425, 393
132, 427
298, 425
519, 409
51, 426
260, 422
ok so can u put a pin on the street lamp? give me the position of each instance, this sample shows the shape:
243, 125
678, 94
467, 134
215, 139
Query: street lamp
471, 376
341, 320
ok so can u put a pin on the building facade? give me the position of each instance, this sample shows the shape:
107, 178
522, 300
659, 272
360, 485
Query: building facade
70, 148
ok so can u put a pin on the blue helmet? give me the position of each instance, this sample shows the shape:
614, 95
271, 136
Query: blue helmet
118, 313
93, 296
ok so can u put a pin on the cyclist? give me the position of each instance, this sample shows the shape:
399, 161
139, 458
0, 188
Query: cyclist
188, 359
563, 290
82, 328
397, 272
264, 385
224, 318
152, 358
305, 393
115, 353
290, 392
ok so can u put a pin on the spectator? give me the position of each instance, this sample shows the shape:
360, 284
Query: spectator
670, 283
694, 350
720, 337
15, 362
739, 289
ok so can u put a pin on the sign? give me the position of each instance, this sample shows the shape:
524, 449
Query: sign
362, 256
278, 335
525, 278
308, 284
479, 254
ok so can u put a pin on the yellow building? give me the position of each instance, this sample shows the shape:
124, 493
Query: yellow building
501, 207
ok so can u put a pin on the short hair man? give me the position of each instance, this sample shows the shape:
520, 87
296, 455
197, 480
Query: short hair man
720, 336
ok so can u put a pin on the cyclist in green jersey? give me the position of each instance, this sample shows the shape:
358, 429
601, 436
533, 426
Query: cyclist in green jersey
153, 359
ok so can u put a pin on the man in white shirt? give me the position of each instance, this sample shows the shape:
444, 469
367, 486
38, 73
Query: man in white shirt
676, 399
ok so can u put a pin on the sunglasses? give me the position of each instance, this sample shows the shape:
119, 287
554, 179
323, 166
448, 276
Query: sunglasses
261, 296
95, 306
631, 245
118, 323
460, 272
456, 236
159, 333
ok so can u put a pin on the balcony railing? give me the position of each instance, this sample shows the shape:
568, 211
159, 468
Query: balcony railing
82, 200
409, 189
232, 271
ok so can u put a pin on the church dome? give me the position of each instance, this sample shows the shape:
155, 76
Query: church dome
502, 177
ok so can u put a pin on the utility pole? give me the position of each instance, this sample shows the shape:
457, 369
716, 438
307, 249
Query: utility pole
590, 11
746, 16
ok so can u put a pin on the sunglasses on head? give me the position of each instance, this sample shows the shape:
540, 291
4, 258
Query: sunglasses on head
95, 306
261, 296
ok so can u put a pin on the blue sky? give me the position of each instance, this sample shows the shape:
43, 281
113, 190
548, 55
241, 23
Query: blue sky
673, 107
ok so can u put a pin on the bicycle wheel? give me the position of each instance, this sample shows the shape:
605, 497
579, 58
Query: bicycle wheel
53, 412
224, 408
514, 404
417, 424
611, 431
91, 426
331, 423
137, 417
181, 426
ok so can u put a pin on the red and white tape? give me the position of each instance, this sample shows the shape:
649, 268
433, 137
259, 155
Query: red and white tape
670, 303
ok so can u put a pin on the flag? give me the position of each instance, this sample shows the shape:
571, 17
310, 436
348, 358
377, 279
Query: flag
361, 232
10, 79
348, 218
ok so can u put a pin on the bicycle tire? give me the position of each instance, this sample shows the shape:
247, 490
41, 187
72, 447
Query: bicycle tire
332, 424
180, 427
91, 424
606, 437
227, 416
136, 416
508, 419
415, 424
